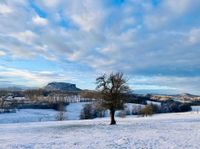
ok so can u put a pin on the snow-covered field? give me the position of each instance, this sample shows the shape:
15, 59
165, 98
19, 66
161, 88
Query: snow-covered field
162, 131
196, 108
73, 111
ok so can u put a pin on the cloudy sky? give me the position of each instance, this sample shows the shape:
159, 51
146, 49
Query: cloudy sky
156, 43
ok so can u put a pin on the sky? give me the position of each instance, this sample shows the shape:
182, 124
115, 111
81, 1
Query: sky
155, 43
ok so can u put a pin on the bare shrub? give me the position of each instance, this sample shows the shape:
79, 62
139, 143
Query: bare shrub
147, 111
87, 112
92, 110
60, 116
61, 112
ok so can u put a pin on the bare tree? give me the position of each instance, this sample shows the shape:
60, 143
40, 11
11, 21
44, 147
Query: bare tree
112, 87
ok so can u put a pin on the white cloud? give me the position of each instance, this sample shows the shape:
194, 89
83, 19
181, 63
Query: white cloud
2, 53
103, 37
33, 78
51, 3
26, 36
40, 21
194, 36
4, 9
169, 11
88, 14
177, 84
156, 21
177, 7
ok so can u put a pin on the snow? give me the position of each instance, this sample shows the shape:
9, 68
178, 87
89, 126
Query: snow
28, 115
132, 106
73, 111
196, 108
19, 98
174, 131
154, 103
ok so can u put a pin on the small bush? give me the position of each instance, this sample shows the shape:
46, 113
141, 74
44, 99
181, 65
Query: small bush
87, 112
147, 110
61, 112
60, 116
91, 111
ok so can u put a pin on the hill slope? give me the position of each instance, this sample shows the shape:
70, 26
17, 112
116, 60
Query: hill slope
160, 131
61, 86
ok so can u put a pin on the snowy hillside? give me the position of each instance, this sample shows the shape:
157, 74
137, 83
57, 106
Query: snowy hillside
73, 111
174, 131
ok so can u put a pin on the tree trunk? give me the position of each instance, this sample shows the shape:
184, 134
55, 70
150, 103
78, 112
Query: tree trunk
112, 117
